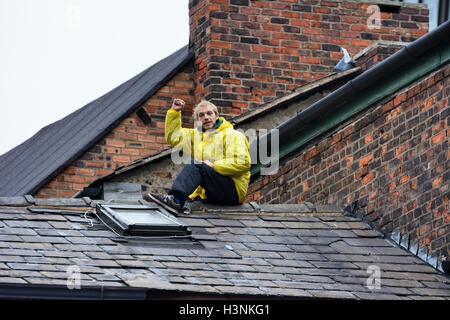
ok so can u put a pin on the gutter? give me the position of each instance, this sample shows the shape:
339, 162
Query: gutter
60, 292
400, 69
19, 291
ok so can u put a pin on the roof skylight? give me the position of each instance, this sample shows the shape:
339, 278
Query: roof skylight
141, 220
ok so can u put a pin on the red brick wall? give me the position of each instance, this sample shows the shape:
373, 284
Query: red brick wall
392, 159
129, 141
249, 52
377, 53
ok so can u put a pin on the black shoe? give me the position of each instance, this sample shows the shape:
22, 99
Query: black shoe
186, 208
165, 200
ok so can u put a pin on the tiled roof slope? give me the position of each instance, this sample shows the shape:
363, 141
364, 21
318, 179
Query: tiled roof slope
29, 166
298, 251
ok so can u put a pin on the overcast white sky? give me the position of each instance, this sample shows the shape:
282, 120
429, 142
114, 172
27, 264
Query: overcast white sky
58, 55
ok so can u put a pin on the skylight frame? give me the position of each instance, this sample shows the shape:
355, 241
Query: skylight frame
109, 214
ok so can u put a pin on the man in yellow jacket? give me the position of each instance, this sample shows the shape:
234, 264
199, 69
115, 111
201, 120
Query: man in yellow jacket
219, 172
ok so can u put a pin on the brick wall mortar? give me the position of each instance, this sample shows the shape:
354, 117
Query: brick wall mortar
392, 159
130, 140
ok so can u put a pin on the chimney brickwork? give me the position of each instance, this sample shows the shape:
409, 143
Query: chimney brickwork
250, 52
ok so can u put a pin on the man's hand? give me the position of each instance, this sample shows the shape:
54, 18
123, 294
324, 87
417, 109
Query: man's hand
178, 104
208, 163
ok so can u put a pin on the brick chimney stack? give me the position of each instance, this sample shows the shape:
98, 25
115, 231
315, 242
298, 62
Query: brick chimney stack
249, 52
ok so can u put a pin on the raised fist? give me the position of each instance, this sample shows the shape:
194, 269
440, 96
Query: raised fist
178, 104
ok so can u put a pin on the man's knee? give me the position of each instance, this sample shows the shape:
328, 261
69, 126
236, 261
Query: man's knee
190, 167
204, 169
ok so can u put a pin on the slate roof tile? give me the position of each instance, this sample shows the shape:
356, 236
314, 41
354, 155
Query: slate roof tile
263, 224
62, 275
436, 285
268, 247
132, 263
32, 266
445, 293
238, 238
377, 296
259, 254
45, 280
47, 260
62, 254
44, 239
334, 264
5, 258
251, 230
170, 252
253, 283
11, 280
315, 256
240, 290
78, 247
88, 269
5, 237
289, 263
43, 217
27, 224
95, 262
410, 275
331, 294
222, 253
225, 222
104, 277
196, 222
12, 212
208, 281
155, 258
287, 292
18, 252
90, 240
279, 239
293, 232
303, 256
233, 267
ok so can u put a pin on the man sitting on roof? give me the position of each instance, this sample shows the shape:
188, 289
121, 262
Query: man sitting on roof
219, 172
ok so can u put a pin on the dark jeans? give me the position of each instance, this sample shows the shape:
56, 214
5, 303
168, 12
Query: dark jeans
219, 189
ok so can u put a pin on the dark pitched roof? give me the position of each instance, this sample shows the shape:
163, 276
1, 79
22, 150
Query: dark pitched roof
301, 251
29, 166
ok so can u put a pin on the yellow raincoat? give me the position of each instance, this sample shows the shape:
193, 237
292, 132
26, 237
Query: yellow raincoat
225, 147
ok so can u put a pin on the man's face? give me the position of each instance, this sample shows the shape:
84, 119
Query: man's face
207, 116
